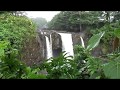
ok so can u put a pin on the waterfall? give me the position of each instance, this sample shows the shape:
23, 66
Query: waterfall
67, 44
48, 48
83, 45
51, 45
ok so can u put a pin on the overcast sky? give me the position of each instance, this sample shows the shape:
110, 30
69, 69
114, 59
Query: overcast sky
48, 15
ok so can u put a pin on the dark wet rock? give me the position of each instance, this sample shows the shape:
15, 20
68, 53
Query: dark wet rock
56, 40
76, 39
56, 52
33, 51
42, 42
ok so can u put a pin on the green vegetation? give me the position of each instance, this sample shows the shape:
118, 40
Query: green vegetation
82, 66
76, 20
16, 30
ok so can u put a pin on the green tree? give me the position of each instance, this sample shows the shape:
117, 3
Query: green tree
14, 32
75, 20
16, 13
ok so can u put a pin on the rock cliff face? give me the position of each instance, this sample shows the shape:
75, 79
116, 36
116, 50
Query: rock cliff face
76, 39
56, 44
56, 40
34, 50
42, 43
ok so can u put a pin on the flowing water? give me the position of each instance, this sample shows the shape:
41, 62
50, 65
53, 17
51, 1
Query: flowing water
51, 45
67, 43
82, 42
48, 48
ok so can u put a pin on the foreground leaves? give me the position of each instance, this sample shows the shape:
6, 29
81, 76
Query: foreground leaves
112, 68
94, 41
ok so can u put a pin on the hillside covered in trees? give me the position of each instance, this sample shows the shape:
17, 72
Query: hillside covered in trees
80, 20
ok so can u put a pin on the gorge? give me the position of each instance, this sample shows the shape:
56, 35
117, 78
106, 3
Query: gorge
51, 43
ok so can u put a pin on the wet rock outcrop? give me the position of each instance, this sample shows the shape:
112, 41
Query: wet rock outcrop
33, 51
56, 44
42, 43
56, 40
76, 39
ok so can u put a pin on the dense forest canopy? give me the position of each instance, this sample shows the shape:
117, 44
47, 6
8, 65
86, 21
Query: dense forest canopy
80, 20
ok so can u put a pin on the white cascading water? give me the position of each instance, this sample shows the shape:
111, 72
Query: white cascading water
83, 45
67, 44
48, 47
51, 44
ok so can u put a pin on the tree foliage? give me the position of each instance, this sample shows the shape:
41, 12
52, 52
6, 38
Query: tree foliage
14, 30
73, 20
80, 20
